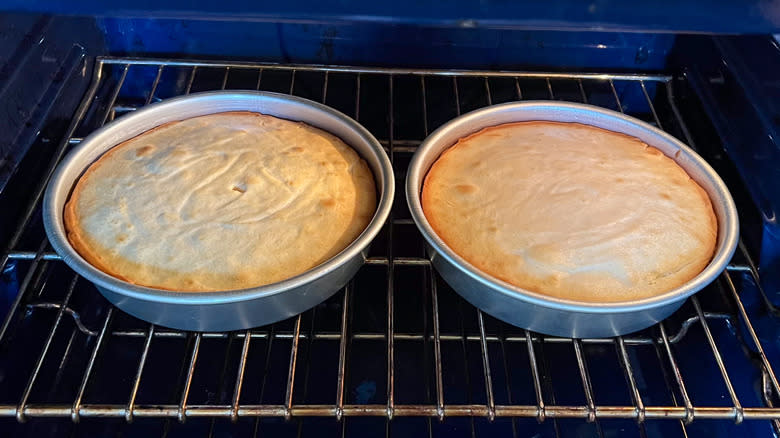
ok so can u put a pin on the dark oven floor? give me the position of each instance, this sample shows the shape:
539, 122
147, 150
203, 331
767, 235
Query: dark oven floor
432, 365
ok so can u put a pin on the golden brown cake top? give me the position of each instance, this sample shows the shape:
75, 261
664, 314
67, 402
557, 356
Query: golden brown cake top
220, 202
570, 211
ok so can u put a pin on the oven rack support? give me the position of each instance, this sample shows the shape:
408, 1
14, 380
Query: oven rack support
103, 101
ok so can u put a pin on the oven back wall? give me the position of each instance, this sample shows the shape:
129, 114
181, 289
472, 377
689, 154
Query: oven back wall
45, 67
387, 44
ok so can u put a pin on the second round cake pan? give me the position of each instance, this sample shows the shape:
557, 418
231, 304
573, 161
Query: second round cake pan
545, 314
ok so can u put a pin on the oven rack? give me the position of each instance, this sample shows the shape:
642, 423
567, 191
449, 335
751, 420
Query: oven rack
111, 94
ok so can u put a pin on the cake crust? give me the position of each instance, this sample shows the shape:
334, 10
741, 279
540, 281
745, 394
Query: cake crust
220, 202
570, 211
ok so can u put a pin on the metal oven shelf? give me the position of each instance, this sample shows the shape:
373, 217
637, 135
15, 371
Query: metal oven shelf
396, 342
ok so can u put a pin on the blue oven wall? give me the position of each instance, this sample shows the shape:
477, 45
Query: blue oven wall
735, 78
680, 16
38, 54
387, 44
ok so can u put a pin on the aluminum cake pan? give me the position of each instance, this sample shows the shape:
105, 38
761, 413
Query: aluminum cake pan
539, 312
236, 309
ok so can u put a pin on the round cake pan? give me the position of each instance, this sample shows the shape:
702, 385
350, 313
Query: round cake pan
236, 309
539, 312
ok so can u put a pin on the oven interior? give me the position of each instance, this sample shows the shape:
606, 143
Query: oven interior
396, 352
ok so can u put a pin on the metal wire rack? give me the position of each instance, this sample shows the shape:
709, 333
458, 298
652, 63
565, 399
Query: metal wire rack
396, 342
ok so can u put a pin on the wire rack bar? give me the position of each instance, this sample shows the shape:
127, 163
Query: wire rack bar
240, 377
768, 371
541, 412
491, 403
401, 410
437, 347
649, 104
390, 270
585, 376
581, 87
227, 74
615, 94
110, 110
343, 340
659, 353
737, 410
138, 374
191, 79
379, 70
76, 409
508, 378
155, 84
626, 363
291, 370
37, 367
677, 374
753, 271
379, 336
23, 288
182, 408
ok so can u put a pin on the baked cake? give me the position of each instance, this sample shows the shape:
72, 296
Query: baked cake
570, 211
220, 202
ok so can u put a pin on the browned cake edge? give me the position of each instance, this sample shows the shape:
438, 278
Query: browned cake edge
74, 232
693, 270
